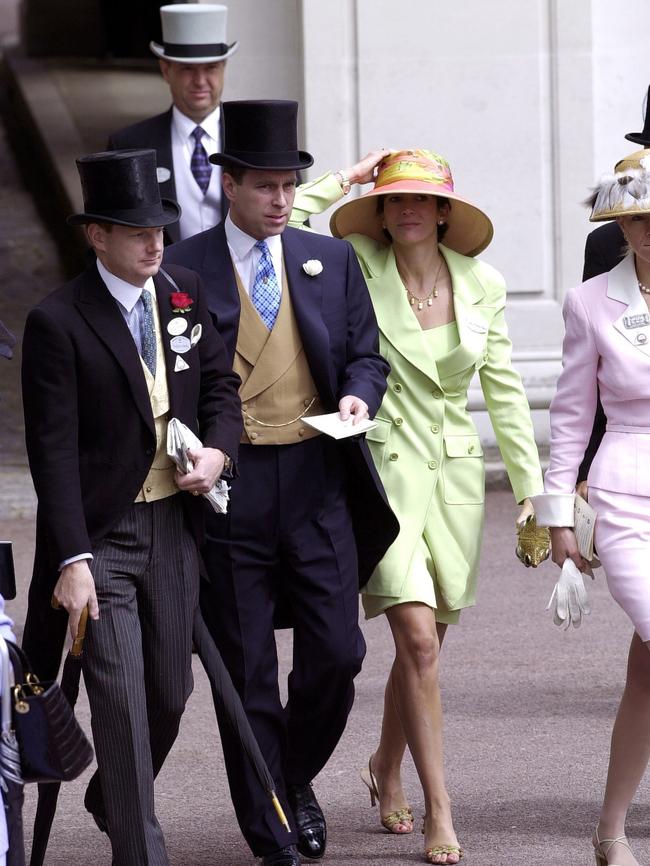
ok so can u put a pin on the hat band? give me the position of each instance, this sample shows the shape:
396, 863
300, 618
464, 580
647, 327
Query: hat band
176, 49
127, 213
262, 157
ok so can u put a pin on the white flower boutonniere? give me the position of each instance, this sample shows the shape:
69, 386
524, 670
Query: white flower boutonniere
312, 268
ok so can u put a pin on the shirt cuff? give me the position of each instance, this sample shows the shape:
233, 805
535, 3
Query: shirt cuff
554, 509
76, 558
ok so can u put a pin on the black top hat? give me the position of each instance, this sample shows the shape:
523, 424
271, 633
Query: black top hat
262, 134
121, 187
643, 138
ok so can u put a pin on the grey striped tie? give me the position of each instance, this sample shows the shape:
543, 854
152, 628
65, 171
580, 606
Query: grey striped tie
148, 332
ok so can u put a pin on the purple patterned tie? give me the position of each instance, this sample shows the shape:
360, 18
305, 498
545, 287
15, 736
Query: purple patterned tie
200, 164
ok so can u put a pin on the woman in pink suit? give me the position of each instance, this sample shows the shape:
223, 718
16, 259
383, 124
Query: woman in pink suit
607, 346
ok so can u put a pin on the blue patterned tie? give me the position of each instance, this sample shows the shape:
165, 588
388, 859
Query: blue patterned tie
148, 332
200, 164
266, 290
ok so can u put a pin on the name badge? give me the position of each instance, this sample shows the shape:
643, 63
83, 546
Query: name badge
180, 345
638, 321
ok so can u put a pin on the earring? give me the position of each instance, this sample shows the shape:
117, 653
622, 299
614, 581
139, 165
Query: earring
383, 225
441, 222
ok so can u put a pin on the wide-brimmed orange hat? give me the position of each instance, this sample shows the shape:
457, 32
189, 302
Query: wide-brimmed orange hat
415, 171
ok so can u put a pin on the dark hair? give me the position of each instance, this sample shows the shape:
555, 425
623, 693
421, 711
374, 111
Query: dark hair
236, 172
442, 229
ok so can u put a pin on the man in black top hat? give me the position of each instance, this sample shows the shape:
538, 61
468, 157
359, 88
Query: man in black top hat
192, 58
604, 249
108, 359
309, 519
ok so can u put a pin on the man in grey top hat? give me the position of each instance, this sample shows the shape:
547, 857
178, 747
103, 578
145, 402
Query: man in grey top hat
192, 61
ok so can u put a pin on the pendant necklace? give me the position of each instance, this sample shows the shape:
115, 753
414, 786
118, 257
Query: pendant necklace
432, 294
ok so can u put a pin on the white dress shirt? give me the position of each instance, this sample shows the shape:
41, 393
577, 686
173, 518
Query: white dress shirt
127, 296
246, 257
200, 212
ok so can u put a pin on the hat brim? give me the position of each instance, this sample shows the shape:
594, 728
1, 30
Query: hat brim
469, 230
159, 51
641, 138
273, 162
171, 213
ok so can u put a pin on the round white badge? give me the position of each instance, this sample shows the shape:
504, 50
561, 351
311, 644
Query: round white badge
178, 325
181, 345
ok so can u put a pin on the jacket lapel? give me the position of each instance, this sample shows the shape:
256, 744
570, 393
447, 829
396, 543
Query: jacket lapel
395, 318
100, 310
634, 321
473, 324
307, 300
165, 314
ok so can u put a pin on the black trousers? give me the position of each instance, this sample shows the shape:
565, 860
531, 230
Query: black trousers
287, 539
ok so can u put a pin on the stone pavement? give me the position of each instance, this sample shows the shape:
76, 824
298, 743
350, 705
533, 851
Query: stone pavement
528, 713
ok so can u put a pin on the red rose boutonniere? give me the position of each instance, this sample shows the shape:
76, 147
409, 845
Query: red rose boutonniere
181, 302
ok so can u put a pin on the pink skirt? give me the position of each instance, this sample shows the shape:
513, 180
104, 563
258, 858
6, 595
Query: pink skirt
622, 538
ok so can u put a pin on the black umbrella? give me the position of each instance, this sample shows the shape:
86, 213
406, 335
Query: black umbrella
227, 696
48, 793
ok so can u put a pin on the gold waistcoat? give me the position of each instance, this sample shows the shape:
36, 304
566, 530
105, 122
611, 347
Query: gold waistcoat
277, 388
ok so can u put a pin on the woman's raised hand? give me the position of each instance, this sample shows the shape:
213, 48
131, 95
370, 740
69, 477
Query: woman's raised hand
364, 171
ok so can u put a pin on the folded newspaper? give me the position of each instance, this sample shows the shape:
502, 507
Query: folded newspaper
180, 440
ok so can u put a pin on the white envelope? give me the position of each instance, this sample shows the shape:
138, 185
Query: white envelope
332, 425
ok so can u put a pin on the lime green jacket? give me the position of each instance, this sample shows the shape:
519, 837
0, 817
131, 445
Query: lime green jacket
426, 444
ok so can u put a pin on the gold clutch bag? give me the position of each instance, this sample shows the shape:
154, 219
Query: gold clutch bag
533, 542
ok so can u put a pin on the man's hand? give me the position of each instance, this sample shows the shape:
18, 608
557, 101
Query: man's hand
364, 170
75, 589
208, 466
353, 406
564, 545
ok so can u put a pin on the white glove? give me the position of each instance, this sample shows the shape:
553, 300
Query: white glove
569, 598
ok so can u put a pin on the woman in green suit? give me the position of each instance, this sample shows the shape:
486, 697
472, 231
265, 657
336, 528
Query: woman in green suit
441, 319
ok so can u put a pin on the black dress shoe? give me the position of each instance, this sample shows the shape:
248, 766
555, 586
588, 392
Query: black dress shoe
282, 857
310, 821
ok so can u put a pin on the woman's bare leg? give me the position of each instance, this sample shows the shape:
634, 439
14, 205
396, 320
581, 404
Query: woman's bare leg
413, 716
630, 750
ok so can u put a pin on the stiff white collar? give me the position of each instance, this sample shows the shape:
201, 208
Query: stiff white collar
241, 244
125, 293
186, 126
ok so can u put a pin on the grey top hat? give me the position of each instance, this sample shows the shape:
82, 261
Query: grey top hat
194, 33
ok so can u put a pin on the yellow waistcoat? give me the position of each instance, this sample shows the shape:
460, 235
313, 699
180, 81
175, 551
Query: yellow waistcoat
277, 388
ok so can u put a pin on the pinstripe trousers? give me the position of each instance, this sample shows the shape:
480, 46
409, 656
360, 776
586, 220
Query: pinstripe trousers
137, 667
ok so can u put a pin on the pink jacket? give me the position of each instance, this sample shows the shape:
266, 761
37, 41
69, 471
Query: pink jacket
606, 344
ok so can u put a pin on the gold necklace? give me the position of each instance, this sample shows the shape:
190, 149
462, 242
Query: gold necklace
428, 298
643, 288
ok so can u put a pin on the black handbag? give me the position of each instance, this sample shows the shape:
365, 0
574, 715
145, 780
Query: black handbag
52, 744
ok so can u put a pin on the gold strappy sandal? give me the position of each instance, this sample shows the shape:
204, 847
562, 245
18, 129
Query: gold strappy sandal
392, 819
602, 847
436, 850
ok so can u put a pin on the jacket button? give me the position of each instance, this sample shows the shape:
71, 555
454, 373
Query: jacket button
244, 407
393, 456
398, 422
397, 388
253, 435
470, 449
248, 422
435, 428
147, 489
301, 432
306, 402
432, 464
436, 395
149, 452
